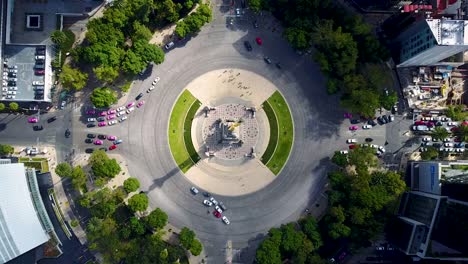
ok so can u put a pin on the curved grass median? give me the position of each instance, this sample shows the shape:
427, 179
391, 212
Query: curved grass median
180, 124
283, 130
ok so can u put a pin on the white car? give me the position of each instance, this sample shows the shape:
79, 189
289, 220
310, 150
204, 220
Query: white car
213, 200
449, 149
194, 190
169, 45
122, 108
447, 139
150, 89
448, 144
217, 208
121, 113
351, 140
156, 80
11, 92
4, 89
225, 220
207, 203
366, 126
446, 119
112, 122
123, 118
381, 149
91, 119
62, 105
459, 150
426, 139
40, 57
452, 123
343, 152
13, 88
373, 146
423, 149
38, 83
130, 110
391, 118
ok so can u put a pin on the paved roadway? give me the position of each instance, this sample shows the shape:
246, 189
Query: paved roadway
318, 131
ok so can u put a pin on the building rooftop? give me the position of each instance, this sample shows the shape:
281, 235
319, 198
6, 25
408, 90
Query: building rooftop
449, 32
20, 226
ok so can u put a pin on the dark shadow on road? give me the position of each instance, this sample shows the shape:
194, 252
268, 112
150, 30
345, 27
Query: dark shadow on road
159, 182
247, 254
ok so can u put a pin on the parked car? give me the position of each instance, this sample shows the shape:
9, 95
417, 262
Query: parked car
38, 128
213, 200
217, 214
156, 80
112, 122
91, 136
109, 117
121, 113
52, 119
139, 96
101, 124
39, 72
89, 150
123, 118
140, 104
91, 112
91, 119
111, 138
169, 45
259, 41
217, 208
207, 203
353, 128
131, 104
102, 136
88, 140
381, 149
101, 119
150, 89
352, 146
103, 113
226, 220
351, 140
33, 120
110, 112
98, 142
426, 139
343, 152
369, 139
385, 119
366, 127
118, 142
112, 147
91, 125
372, 122
130, 110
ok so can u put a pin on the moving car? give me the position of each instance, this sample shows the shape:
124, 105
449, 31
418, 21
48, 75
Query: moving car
217, 214
194, 190
138, 97
156, 80
37, 128
207, 203
118, 142
140, 104
259, 41
98, 142
67, 133
366, 127
226, 220
267, 60
112, 147
33, 120
247, 45
52, 119
353, 128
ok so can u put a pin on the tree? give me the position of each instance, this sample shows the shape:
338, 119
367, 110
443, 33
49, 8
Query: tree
310, 229
141, 32
64, 169
340, 159
298, 38
455, 112
106, 74
157, 219
2, 106
462, 132
102, 166
103, 97
166, 11
133, 63
13, 106
138, 202
73, 79
440, 133
255, 5
388, 101
136, 226
186, 237
58, 37
131, 185
196, 247
430, 154
78, 178
361, 101
6, 149
268, 252
148, 52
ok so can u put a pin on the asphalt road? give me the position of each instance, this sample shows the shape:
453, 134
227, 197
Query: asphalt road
318, 127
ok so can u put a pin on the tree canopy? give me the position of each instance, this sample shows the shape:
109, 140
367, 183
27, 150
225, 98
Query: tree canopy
189, 242
72, 78
63, 169
102, 166
103, 97
13, 106
138, 202
6, 149
157, 219
131, 185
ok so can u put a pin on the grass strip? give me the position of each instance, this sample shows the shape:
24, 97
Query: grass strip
285, 133
273, 141
188, 131
176, 131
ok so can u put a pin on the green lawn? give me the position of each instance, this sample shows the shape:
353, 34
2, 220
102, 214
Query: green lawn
37, 163
285, 133
273, 133
180, 140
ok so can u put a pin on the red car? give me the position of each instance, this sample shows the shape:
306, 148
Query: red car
259, 41
419, 123
352, 128
39, 72
352, 146
112, 147
217, 214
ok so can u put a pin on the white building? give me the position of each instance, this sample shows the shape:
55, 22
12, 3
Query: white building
24, 223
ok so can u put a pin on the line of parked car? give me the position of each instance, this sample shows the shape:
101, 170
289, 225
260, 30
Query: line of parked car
210, 201
353, 143
381, 120
111, 116
446, 145
9, 89
91, 139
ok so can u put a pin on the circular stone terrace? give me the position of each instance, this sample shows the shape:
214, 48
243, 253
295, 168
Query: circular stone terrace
227, 126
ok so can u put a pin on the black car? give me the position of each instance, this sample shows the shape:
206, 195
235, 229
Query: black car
372, 122
369, 139
38, 128
101, 119
437, 145
52, 119
90, 125
247, 45
89, 150
267, 60
278, 65
88, 140
354, 121
11, 83
91, 136
139, 96
102, 136
12, 74
380, 120
39, 62
105, 149
67, 133
439, 123
385, 119
206, 194
40, 51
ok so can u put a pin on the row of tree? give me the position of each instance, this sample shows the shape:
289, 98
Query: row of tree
342, 44
193, 22
11, 106
361, 199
